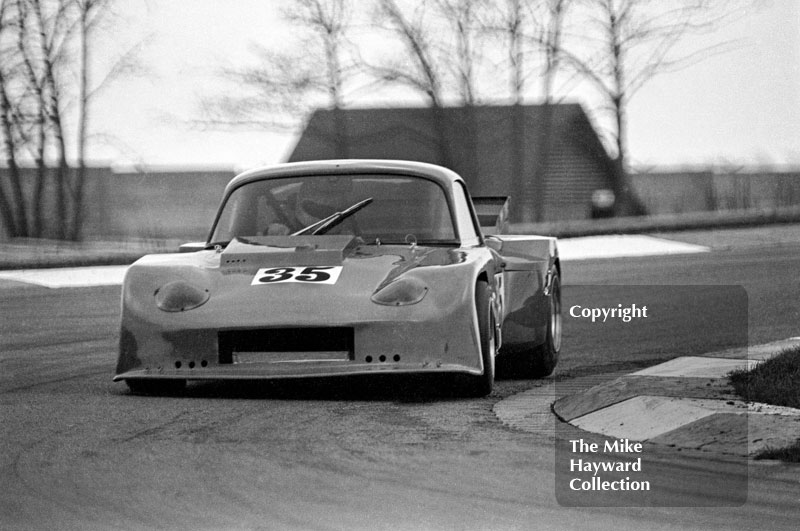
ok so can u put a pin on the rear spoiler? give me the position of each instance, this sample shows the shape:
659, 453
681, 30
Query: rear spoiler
492, 213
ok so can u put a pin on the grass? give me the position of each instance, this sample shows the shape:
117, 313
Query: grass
790, 454
776, 382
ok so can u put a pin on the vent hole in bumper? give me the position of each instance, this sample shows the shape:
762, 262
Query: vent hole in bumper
287, 344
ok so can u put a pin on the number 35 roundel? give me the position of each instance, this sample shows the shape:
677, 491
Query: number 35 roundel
305, 275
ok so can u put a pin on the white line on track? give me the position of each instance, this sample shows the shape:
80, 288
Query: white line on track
616, 246
68, 277
622, 245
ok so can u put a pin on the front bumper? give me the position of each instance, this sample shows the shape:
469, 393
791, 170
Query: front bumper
435, 335
444, 345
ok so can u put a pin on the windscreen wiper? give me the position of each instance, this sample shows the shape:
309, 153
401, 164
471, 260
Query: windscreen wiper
325, 224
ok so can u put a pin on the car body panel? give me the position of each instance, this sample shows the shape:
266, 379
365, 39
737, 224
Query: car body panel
528, 262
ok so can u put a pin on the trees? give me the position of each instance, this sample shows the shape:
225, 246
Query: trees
418, 70
531, 28
33, 45
421, 68
45, 85
12, 201
460, 52
626, 43
616, 45
283, 85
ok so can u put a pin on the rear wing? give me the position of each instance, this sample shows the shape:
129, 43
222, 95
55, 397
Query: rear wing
492, 213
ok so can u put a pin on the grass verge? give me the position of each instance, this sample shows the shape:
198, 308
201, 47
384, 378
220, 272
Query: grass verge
789, 454
776, 382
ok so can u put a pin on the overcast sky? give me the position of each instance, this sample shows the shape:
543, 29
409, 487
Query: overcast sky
738, 108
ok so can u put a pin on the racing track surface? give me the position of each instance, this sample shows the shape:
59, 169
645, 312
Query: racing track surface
78, 452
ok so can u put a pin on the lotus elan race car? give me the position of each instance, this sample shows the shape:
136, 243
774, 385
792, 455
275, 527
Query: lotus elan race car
332, 268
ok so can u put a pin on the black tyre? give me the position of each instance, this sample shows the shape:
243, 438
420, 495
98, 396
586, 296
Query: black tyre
539, 361
545, 356
156, 386
482, 385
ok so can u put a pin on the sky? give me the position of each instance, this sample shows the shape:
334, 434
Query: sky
737, 109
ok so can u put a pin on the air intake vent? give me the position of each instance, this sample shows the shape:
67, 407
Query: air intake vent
282, 345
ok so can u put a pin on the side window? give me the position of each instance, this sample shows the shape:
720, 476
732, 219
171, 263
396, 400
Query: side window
467, 222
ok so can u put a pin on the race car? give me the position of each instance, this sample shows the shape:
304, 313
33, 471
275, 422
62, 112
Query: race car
343, 267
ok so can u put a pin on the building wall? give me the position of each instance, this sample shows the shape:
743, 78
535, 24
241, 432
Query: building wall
670, 193
157, 204
169, 204
29, 177
182, 204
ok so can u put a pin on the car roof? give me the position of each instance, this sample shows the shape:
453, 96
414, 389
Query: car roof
441, 175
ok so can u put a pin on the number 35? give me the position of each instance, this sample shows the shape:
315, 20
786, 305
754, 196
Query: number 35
314, 274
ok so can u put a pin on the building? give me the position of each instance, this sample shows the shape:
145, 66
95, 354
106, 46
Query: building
548, 159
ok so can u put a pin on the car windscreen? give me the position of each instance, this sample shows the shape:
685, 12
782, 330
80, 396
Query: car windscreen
402, 208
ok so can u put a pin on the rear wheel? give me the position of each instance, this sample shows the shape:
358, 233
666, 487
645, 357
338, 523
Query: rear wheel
539, 361
545, 357
482, 385
156, 386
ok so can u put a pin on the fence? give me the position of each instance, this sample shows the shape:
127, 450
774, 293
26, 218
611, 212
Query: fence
678, 193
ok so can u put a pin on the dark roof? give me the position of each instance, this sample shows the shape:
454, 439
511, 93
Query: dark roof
480, 143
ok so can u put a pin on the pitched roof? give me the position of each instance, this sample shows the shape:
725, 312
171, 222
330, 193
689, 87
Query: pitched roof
497, 149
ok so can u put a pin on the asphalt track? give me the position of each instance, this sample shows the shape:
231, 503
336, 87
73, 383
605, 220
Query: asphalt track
78, 452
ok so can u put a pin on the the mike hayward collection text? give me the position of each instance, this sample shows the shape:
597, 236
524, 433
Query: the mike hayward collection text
596, 468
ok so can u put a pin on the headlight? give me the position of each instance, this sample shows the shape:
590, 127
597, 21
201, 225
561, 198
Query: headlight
402, 292
180, 296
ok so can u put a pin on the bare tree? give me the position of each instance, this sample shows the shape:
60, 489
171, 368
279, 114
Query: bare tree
46, 68
25, 114
52, 27
552, 13
12, 202
285, 85
626, 43
510, 23
463, 17
90, 14
329, 22
35, 123
418, 70
443, 43
442, 55
531, 33
511, 26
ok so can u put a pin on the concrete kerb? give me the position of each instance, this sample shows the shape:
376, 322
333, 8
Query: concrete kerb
686, 402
